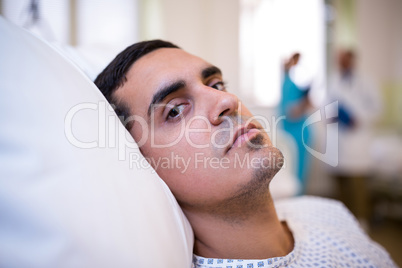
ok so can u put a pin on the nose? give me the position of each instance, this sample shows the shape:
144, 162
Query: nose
221, 104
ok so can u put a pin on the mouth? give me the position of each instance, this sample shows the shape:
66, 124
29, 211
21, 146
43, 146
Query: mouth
242, 135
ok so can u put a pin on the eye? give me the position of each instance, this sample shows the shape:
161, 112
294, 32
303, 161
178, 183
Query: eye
219, 86
175, 111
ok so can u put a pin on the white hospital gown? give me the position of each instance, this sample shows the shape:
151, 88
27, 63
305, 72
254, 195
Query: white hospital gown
326, 234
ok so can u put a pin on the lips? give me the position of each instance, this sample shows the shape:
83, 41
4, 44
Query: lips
243, 134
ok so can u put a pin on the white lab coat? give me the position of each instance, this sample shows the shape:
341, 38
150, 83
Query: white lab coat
359, 96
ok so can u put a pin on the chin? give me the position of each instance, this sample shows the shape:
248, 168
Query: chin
271, 161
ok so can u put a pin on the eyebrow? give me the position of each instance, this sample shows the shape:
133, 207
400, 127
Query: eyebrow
165, 91
207, 72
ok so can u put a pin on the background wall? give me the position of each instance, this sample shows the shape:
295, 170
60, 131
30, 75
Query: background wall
379, 42
206, 28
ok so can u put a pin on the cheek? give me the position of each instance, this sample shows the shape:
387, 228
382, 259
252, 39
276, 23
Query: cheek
153, 142
198, 133
191, 185
165, 137
197, 140
245, 111
140, 133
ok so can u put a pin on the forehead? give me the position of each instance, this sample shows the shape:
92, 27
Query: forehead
155, 70
165, 59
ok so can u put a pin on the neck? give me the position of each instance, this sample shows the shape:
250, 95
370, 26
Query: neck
257, 234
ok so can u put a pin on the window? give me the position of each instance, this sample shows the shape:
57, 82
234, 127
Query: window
270, 31
92, 32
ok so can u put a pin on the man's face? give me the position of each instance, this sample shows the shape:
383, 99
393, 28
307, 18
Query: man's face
346, 61
199, 138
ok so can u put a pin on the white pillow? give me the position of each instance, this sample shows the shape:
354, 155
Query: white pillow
65, 206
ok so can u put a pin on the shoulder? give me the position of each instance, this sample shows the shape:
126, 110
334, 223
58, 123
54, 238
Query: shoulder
308, 204
322, 224
316, 211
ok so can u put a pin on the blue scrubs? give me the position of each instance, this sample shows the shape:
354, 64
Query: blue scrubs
292, 95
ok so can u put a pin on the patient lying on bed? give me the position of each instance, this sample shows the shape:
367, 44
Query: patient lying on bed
176, 107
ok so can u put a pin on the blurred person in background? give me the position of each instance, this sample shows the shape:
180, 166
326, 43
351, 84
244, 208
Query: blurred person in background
359, 106
294, 106
359, 101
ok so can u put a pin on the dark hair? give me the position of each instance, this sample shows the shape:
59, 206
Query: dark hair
114, 75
